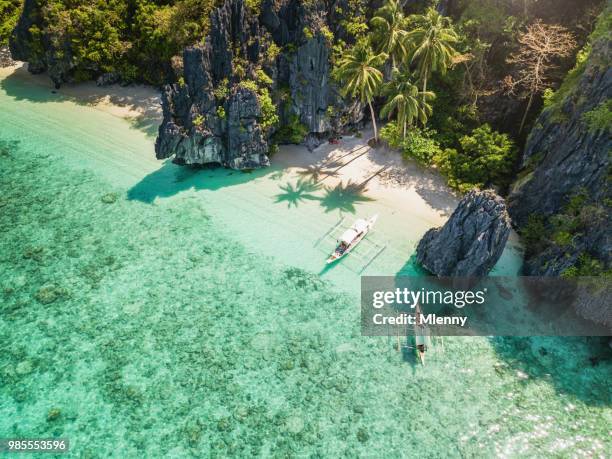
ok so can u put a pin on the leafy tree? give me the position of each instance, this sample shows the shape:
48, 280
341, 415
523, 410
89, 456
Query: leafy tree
360, 74
406, 101
390, 31
432, 42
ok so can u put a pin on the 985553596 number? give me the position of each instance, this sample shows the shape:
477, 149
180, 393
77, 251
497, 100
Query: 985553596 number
31, 445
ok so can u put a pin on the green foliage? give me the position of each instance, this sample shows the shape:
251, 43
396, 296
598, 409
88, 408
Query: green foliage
418, 144
262, 78
562, 238
222, 89
9, 13
534, 234
432, 43
198, 121
586, 266
292, 132
269, 117
555, 100
268, 109
327, 34
390, 32
137, 39
405, 101
486, 157
254, 5
354, 18
307, 33
358, 71
272, 53
250, 85
221, 112
600, 118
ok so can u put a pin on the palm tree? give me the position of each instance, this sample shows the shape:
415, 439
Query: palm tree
432, 43
390, 32
405, 99
359, 73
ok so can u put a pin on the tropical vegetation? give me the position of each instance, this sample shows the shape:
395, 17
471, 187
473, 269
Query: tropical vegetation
359, 71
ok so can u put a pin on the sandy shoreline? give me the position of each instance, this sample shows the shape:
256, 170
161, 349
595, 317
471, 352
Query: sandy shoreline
135, 102
381, 174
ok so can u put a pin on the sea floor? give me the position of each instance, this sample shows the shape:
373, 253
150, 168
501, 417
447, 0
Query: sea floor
148, 310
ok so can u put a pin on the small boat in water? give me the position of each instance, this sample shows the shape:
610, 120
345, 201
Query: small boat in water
351, 237
421, 334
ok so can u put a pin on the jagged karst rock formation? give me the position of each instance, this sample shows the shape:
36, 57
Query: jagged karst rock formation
471, 241
272, 57
5, 57
221, 113
565, 156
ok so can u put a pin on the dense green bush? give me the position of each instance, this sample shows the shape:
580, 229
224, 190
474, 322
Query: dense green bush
293, 131
136, 39
419, 144
485, 158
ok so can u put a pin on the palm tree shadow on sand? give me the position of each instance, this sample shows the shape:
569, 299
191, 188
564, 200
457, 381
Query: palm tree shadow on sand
344, 197
296, 194
317, 171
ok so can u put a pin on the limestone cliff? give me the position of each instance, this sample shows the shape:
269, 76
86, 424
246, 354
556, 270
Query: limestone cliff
255, 75
471, 241
564, 186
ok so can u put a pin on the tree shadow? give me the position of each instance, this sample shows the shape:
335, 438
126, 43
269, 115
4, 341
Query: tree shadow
428, 183
294, 195
344, 197
317, 171
171, 179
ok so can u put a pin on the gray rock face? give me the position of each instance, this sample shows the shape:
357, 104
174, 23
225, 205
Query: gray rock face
201, 125
5, 57
309, 83
471, 241
195, 129
565, 156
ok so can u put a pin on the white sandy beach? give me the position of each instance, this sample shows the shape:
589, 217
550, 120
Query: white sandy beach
133, 102
380, 174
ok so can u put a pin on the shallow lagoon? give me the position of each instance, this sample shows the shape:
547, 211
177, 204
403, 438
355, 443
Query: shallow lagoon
149, 309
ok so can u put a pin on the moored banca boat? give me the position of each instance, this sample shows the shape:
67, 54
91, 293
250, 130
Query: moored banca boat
351, 237
422, 334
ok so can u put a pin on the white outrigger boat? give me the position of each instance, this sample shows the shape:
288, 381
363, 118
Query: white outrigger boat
351, 237
422, 335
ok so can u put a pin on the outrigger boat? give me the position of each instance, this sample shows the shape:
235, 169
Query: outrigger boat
421, 334
351, 237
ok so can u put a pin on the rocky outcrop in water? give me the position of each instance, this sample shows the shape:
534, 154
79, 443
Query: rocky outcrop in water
566, 172
471, 241
258, 79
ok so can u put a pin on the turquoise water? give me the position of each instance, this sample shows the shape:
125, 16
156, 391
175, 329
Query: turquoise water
150, 310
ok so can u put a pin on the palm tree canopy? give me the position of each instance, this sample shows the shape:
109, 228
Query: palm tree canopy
358, 71
390, 30
432, 43
406, 100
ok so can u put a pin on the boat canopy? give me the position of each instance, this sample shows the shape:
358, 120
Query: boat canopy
348, 236
360, 225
